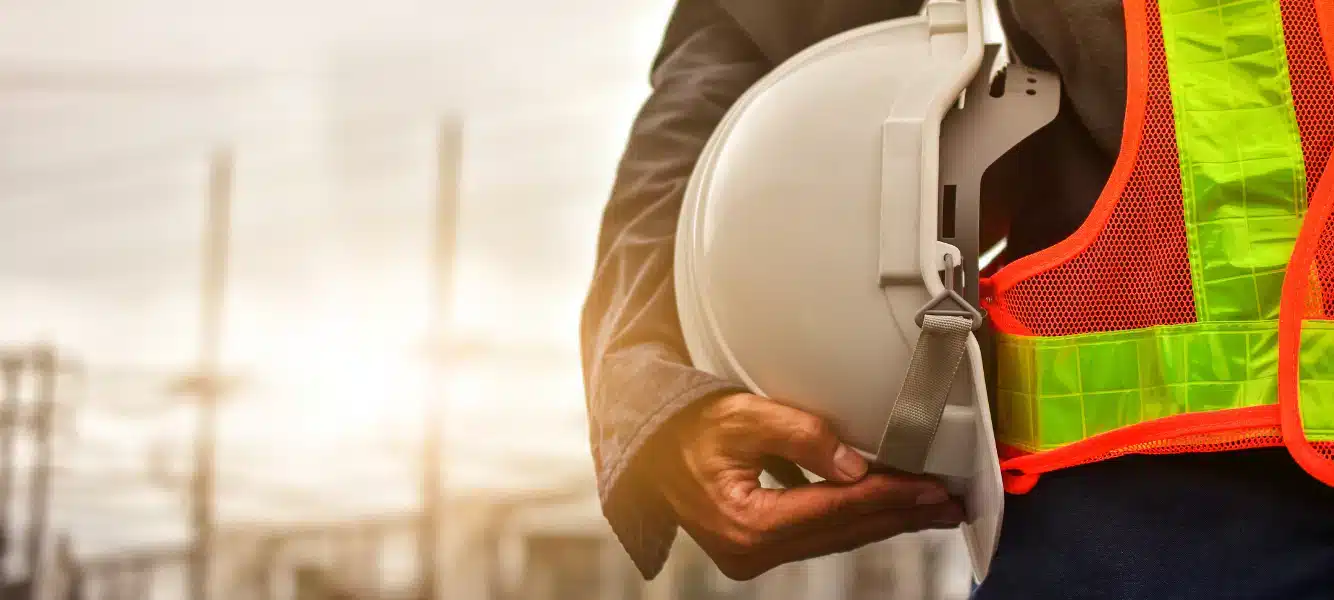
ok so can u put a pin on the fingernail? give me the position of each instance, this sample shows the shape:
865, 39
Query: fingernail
850, 464
932, 496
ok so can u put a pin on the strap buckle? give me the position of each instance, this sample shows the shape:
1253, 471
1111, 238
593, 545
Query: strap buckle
938, 306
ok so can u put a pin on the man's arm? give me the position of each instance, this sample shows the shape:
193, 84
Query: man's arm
659, 465
636, 368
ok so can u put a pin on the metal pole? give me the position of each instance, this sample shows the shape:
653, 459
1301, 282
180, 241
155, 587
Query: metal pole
141, 585
210, 328
11, 369
269, 549
448, 167
372, 550
72, 573
44, 395
373, 547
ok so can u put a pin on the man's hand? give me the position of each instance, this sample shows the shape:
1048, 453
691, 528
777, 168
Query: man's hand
715, 490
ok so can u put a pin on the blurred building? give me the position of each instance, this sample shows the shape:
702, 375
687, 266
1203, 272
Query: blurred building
542, 547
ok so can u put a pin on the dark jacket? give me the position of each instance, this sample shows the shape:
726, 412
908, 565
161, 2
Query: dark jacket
636, 368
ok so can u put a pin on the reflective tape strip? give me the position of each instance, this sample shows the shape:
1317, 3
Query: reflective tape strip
1243, 175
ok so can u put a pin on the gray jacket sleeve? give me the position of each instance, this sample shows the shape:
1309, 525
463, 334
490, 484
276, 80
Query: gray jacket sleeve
637, 374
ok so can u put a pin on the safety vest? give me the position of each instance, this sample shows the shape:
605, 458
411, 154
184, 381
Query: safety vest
1194, 310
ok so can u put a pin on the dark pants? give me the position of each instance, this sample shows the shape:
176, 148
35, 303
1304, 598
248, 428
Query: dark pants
1238, 525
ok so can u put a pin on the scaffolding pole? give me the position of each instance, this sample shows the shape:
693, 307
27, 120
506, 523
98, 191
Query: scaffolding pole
39, 490
11, 369
207, 382
448, 167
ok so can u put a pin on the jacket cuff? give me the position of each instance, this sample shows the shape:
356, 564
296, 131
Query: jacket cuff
632, 503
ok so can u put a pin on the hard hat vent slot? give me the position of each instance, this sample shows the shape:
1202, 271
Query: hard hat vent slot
997, 89
947, 204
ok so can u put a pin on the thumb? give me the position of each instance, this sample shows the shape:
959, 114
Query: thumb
802, 438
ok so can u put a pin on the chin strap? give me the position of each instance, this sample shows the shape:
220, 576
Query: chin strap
916, 414
915, 417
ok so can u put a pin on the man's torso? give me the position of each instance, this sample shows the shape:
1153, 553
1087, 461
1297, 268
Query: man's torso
1231, 525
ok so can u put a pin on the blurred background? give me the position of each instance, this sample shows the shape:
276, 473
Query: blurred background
288, 305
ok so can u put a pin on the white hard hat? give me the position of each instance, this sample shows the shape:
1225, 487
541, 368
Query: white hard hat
818, 223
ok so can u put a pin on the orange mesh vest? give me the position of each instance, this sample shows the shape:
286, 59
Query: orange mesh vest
1194, 309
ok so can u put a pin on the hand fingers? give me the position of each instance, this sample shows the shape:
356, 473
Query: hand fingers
776, 511
748, 529
762, 518
743, 563
759, 426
